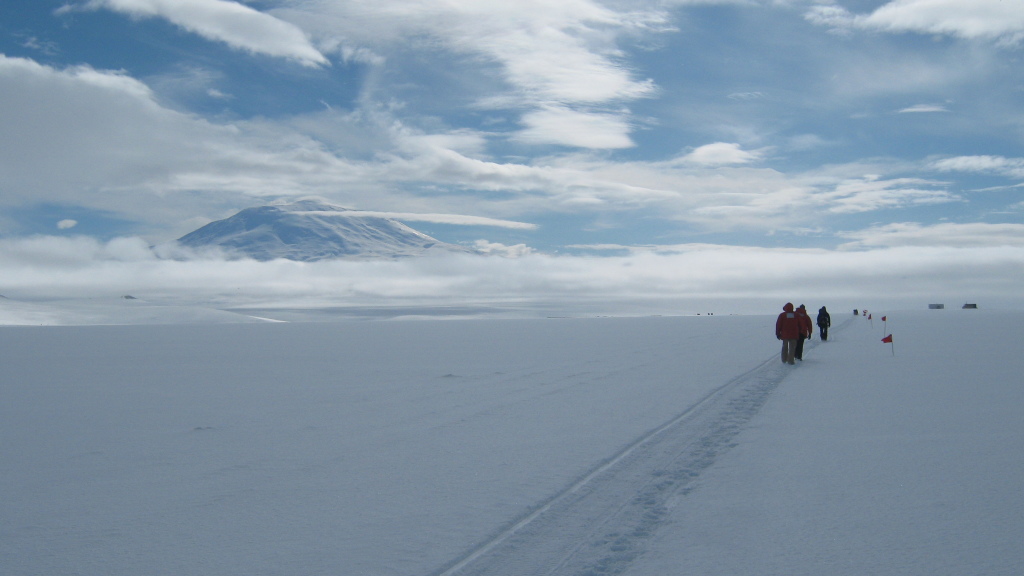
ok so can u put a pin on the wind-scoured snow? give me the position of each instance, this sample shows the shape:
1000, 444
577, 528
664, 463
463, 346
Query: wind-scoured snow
634, 446
310, 230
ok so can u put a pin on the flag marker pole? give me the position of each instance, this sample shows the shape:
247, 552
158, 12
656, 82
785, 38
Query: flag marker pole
889, 340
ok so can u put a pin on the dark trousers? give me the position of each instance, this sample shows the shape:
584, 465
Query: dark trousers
824, 332
799, 348
788, 348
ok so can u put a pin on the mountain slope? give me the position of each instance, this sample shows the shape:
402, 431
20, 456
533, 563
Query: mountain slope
309, 230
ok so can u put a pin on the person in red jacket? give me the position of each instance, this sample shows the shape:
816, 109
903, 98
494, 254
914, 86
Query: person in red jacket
788, 328
806, 329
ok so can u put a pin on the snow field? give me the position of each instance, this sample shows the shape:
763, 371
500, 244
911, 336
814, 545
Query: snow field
636, 446
354, 448
867, 463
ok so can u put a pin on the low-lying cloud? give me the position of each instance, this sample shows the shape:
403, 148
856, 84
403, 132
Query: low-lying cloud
657, 282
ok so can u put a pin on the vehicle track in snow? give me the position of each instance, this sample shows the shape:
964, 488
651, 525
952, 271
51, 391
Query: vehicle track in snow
601, 522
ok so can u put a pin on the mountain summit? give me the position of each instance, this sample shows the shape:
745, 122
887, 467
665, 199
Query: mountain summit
310, 230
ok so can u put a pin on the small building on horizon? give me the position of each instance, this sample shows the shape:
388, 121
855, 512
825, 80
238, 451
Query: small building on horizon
970, 307
936, 306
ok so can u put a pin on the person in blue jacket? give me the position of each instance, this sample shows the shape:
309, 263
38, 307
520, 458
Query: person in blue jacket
824, 321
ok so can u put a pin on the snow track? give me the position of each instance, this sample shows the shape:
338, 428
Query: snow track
599, 523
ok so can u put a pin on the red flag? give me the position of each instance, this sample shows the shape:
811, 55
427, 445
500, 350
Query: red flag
869, 316
883, 318
887, 339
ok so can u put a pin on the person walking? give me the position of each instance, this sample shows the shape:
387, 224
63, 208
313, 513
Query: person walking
788, 329
824, 321
806, 329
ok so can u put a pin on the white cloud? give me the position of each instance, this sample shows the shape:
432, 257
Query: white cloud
557, 63
63, 125
871, 193
972, 19
923, 109
235, 24
722, 197
72, 253
218, 95
499, 249
67, 224
835, 17
964, 18
1013, 167
567, 127
972, 235
721, 153
362, 56
101, 140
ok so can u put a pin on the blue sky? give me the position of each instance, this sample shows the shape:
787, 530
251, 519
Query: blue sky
576, 127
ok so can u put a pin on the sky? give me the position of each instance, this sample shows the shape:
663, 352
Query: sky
867, 134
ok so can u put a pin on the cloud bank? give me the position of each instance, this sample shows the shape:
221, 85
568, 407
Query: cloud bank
908, 271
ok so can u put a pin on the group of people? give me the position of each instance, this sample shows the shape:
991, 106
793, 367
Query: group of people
794, 326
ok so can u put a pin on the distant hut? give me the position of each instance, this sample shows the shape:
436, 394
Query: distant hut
970, 307
936, 306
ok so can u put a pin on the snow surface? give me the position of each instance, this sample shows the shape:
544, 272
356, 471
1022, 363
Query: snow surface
634, 446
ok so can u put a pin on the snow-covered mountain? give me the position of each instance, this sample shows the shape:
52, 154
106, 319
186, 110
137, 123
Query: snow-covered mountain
311, 230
